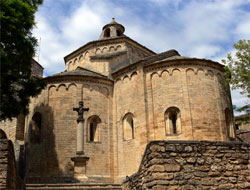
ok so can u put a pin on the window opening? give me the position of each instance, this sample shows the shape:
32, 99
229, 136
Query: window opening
107, 33
172, 121
128, 127
94, 129
118, 33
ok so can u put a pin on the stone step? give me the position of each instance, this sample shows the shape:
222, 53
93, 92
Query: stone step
71, 186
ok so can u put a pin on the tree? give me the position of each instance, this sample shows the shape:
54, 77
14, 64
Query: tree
238, 70
17, 48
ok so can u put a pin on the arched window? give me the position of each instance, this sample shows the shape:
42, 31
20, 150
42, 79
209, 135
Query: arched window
35, 128
229, 123
107, 33
118, 32
94, 129
173, 121
128, 127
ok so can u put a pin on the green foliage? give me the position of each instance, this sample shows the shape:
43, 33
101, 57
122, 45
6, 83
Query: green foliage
17, 48
238, 70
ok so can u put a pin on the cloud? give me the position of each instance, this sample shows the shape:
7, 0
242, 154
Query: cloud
243, 28
239, 100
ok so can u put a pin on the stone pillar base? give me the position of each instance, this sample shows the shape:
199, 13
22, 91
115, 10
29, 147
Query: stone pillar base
80, 162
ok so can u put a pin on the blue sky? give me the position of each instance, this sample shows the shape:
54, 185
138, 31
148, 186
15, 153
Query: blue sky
196, 28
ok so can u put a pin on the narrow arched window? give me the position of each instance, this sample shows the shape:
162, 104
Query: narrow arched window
94, 129
107, 33
229, 123
35, 128
172, 121
128, 127
118, 32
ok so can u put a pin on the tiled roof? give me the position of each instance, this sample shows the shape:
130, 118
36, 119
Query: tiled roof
79, 71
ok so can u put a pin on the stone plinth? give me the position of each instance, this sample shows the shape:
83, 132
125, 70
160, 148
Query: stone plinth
80, 162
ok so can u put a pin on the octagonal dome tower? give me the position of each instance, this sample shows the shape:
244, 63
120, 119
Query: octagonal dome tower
113, 29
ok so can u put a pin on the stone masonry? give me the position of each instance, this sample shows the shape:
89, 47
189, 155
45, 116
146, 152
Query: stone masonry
179, 165
9, 178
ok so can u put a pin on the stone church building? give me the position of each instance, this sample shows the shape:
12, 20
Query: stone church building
134, 96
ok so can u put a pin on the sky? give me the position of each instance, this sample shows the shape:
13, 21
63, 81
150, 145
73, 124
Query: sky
195, 28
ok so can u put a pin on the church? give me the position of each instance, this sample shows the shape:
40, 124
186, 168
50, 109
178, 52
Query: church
134, 96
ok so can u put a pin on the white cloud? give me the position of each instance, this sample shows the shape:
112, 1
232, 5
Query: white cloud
239, 100
243, 28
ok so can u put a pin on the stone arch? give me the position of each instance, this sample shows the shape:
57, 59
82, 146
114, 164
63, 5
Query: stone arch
201, 72
164, 73
155, 74
69, 63
128, 126
96, 88
86, 55
104, 50
118, 81
118, 47
189, 70
219, 75
85, 86
175, 71
125, 79
71, 85
98, 51
172, 118
52, 86
60, 86
80, 58
52, 89
134, 74
210, 73
75, 61
105, 91
111, 49
94, 128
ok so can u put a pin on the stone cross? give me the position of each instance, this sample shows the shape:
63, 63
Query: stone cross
80, 110
80, 129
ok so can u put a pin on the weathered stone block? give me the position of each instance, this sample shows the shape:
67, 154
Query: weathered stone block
172, 167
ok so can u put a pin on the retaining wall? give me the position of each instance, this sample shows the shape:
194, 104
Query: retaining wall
175, 165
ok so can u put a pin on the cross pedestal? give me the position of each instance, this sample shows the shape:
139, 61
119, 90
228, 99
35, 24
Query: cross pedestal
80, 159
80, 163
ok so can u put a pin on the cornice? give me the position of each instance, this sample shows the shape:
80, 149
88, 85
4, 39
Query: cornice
74, 78
183, 63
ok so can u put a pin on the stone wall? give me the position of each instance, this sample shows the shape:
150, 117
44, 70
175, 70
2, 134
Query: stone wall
36, 70
129, 98
175, 165
198, 91
10, 128
50, 146
9, 178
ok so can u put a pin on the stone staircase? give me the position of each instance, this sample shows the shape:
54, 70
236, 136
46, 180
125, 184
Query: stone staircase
71, 186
